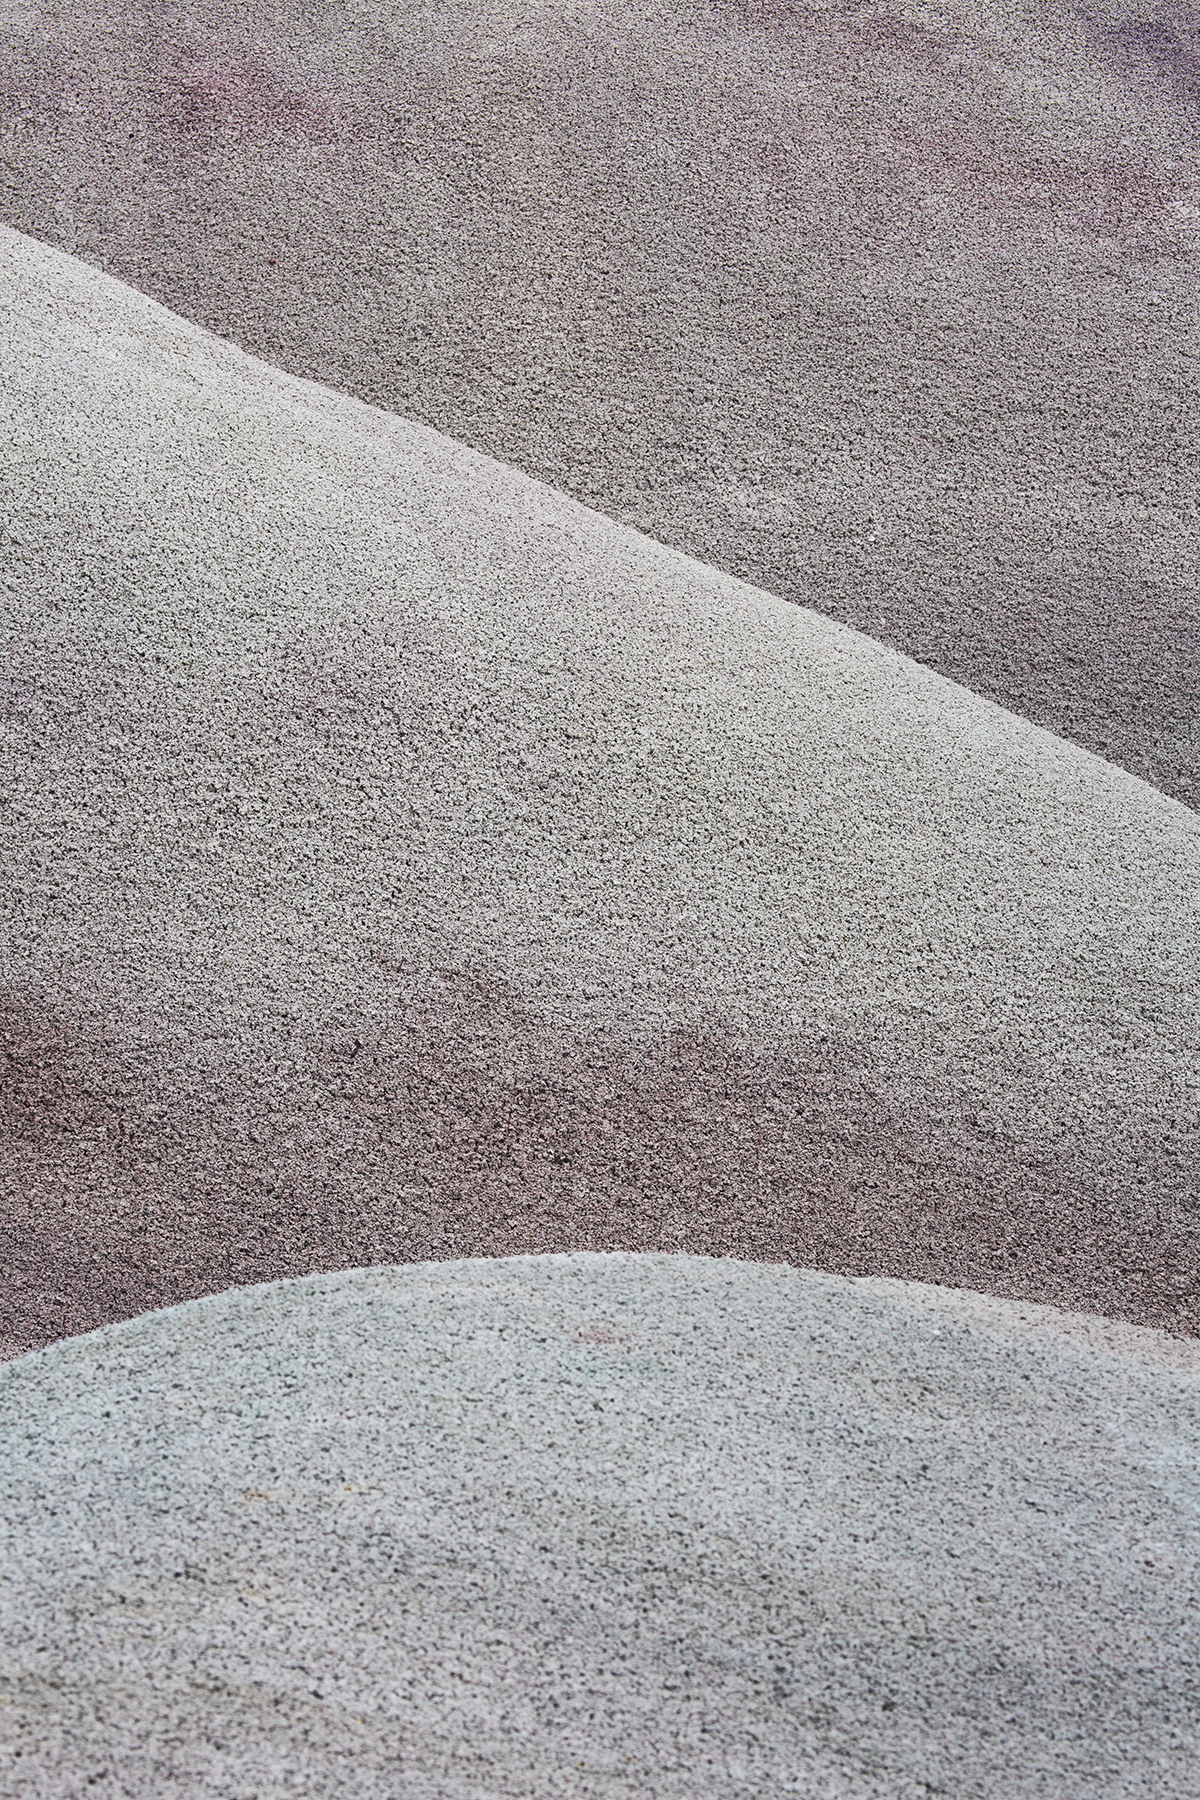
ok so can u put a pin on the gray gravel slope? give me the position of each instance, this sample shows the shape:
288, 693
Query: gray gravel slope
891, 310
602, 1526
404, 862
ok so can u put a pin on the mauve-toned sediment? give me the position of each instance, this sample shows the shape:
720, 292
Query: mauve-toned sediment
401, 863
495, 1132
405, 862
893, 312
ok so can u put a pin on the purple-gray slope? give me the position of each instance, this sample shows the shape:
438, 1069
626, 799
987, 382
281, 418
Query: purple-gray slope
403, 861
890, 311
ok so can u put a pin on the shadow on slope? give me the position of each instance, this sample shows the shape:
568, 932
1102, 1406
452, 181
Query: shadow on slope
488, 1130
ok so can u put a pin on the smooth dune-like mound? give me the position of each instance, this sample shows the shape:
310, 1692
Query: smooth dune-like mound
888, 308
404, 862
602, 1525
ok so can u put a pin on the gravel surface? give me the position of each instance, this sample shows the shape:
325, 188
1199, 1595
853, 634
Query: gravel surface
404, 862
602, 1526
892, 311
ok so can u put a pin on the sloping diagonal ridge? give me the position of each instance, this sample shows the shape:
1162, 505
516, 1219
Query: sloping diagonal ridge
406, 862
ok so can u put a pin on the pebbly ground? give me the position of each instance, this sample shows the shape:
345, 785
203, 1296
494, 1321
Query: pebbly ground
404, 862
890, 311
601, 1526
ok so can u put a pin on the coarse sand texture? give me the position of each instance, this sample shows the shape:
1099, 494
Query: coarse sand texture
599, 900
892, 309
591, 1525
404, 862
